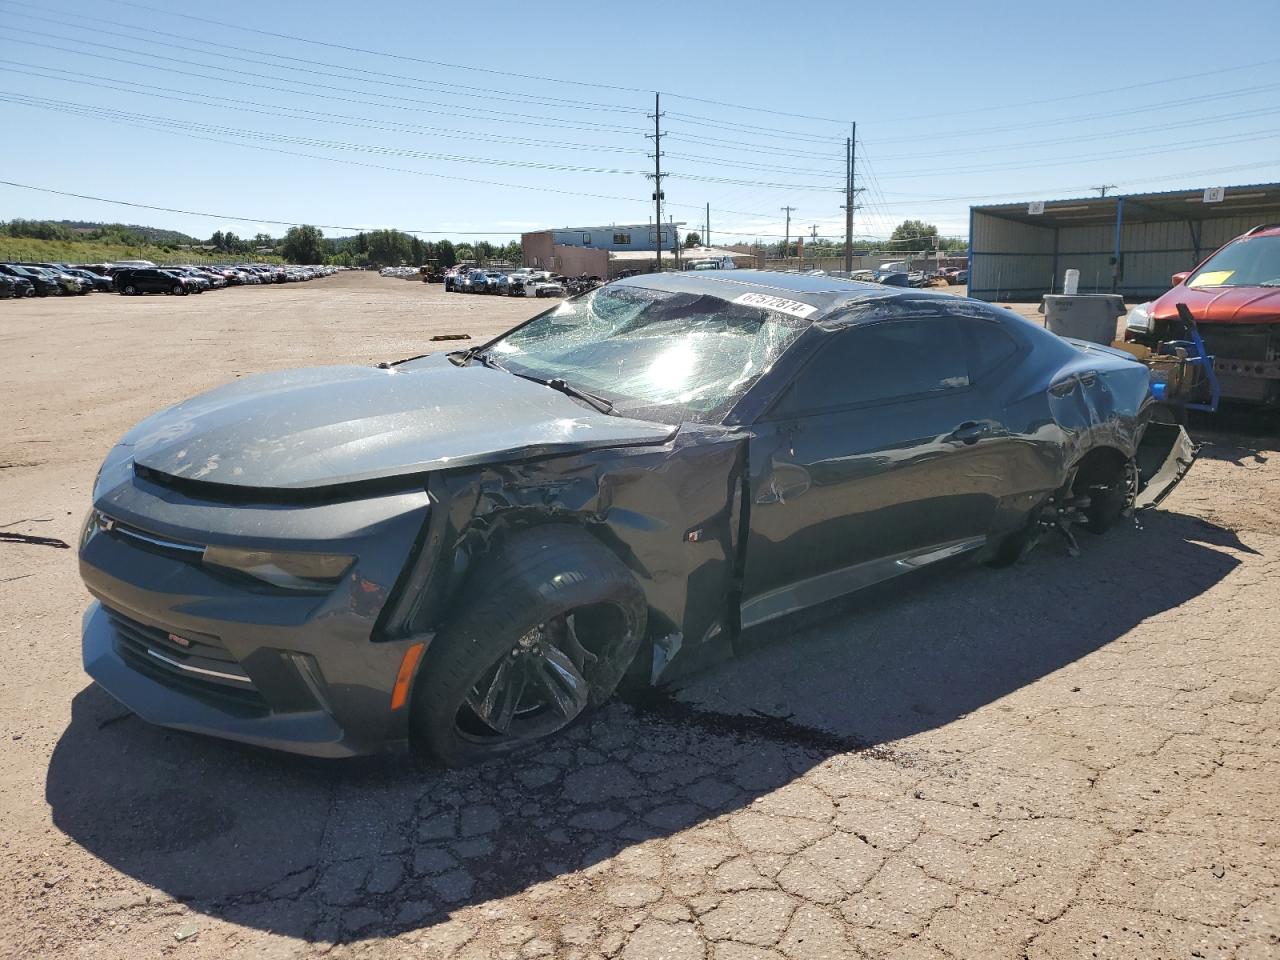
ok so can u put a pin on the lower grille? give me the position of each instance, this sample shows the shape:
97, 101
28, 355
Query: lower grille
193, 663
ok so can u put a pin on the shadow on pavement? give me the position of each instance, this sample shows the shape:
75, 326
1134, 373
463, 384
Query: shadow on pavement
347, 850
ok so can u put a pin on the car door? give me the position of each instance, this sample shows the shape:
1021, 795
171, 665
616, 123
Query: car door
881, 456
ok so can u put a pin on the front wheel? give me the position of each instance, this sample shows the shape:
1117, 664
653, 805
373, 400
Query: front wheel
552, 624
178, 290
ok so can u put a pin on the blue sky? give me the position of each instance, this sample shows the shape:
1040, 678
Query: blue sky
520, 116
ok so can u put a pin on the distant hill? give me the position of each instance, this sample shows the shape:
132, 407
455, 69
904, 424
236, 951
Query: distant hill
150, 234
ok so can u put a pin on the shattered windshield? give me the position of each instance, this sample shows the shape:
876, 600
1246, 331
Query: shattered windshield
678, 356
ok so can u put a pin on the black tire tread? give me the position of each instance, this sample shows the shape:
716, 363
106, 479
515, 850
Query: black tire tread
508, 594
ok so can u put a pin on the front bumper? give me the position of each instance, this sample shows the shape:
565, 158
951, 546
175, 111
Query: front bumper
186, 648
313, 732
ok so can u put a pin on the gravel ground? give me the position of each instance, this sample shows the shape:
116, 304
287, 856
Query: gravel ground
1067, 758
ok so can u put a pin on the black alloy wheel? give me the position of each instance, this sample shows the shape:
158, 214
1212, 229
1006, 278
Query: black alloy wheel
547, 630
534, 690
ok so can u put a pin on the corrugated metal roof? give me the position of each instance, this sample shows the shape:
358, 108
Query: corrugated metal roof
1186, 204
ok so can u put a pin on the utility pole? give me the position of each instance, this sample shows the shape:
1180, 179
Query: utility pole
657, 176
848, 205
786, 244
706, 236
1103, 188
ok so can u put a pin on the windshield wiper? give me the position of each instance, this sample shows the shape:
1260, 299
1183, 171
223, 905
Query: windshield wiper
558, 383
462, 358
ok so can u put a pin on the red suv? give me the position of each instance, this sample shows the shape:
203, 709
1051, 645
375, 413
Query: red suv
1234, 296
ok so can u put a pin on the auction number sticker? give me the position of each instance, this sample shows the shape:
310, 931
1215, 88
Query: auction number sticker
780, 304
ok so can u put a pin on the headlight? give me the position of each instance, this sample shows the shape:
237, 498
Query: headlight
312, 572
1139, 318
89, 527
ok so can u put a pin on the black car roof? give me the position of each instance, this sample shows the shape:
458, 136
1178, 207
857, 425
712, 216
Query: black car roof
826, 294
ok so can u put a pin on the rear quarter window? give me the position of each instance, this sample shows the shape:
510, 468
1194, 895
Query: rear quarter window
990, 346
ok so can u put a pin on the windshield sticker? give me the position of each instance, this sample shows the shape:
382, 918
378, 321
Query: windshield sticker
1211, 278
780, 304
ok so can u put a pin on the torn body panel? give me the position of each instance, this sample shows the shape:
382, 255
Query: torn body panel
1164, 457
669, 513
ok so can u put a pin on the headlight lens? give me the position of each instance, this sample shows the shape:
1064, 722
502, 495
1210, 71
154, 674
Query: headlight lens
311, 572
89, 527
1139, 319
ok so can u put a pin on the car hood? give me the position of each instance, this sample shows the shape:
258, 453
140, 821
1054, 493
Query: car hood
1221, 304
329, 426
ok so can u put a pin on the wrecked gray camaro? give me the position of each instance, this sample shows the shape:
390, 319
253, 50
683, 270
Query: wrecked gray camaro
469, 550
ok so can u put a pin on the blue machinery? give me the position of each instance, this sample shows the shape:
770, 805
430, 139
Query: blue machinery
1189, 366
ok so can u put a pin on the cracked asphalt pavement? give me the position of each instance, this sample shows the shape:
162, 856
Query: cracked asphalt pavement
1066, 758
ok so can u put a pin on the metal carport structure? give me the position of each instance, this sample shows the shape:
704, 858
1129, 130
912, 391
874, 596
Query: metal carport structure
1129, 243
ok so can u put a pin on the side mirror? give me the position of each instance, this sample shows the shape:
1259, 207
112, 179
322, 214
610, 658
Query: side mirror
1181, 278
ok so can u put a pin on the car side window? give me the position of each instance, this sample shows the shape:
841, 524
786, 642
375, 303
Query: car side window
991, 346
879, 362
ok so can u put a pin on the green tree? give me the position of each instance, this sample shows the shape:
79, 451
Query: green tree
388, 247
465, 251
446, 252
37, 230
693, 239
304, 244
915, 234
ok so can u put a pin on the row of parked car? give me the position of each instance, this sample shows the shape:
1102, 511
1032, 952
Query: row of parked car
524, 282
138, 277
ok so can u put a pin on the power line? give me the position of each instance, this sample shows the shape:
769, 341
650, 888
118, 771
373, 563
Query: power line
123, 116
165, 123
423, 173
452, 109
458, 66
1091, 93
258, 220
1180, 103
1251, 136
1051, 191
98, 81
1128, 133
400, 79
246, 106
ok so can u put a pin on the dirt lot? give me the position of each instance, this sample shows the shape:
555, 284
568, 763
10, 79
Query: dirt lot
1067, 758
